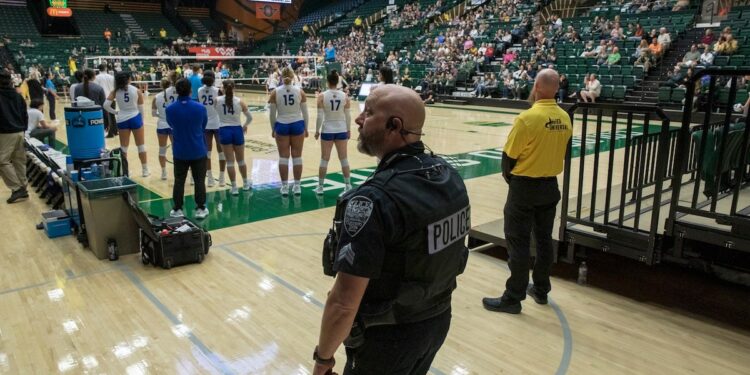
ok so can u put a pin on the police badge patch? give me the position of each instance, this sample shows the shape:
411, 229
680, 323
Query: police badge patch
358, 211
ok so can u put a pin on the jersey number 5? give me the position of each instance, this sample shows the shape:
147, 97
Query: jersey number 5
288, 99
335, 104
125, 97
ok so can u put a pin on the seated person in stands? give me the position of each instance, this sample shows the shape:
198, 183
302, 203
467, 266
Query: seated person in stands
656, 50
37, 127
680, 5
707, 57
686, 78
614, 57
602, 57
592, 90
708, 39
676, 78
641, 49
691, 58
664, 39
564, 86
491, 86
427, 96
726, 45
521, 89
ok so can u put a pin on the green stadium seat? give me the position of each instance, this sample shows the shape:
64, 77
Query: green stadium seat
742, 96
626, 70
607, 91
619, 93
628, 81
616, 80
678, 94
721, 60
664, 94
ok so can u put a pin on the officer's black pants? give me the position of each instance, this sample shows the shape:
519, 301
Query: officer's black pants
531, 206
399, 349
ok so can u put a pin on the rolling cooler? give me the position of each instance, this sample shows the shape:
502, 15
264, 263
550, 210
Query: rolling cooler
170, 242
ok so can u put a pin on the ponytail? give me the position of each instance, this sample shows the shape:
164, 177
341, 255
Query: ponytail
229, 91
88, 75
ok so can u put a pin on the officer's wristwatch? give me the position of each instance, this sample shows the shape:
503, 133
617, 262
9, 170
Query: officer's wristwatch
323, 361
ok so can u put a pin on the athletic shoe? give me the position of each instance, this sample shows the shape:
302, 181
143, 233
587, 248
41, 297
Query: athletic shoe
502, 305
319, 190
145, 172
221, 181
211, 182
163, 174
18, 195
284, 190
176, 213
348, 187
297, 189
201, 213
248, 185
235, 191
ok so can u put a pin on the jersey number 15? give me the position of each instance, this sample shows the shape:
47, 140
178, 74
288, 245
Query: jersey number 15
288, 99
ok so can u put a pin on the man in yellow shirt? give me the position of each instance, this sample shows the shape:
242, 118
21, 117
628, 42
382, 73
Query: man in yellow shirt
533, 156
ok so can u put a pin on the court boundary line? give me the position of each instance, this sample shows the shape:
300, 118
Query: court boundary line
565, 360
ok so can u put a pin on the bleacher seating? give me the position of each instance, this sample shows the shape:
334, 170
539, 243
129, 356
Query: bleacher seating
338, 8
17, 21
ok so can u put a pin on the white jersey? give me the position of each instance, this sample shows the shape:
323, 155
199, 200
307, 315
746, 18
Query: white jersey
207, 96
335, 113
288, 104
171, 95
162, 102
229, 114
273, 81
127, 103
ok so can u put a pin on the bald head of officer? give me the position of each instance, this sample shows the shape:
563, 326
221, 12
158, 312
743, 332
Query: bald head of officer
393, 118
533, 156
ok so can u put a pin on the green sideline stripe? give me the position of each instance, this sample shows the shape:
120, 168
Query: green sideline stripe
265, 202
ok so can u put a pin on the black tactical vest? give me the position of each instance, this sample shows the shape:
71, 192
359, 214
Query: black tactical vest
421, 265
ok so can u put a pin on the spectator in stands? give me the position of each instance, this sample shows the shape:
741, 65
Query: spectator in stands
707, 57
614, 57
491, 86
564, 86
602, 57
13, 123
107, 35
676, 77
522, 86
726, 45
664, 39
37, 127
656, 50
680, 5
592, 90
163, 33
588, 50
708, 39
330, 53
51, 94
691, 58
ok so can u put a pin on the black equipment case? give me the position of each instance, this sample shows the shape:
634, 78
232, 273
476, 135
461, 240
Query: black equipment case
162, 245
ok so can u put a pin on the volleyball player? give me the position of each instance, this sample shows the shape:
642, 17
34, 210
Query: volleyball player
289, 128
163, 131
333, 127
129, 117
207, 94
232, 134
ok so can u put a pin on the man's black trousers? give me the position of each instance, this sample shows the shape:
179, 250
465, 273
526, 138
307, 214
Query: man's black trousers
403, 349
531, 207
198, 171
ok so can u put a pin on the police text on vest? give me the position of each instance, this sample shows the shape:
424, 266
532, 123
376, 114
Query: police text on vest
448, 230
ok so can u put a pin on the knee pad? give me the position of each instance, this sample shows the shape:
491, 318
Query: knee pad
323, 163
163, 151
296, 161
124, 149
222, 157
283, 161
230, 164
141, 149
344, 162
241, 163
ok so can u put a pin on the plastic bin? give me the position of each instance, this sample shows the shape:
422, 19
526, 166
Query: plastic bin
56, 223
108, 217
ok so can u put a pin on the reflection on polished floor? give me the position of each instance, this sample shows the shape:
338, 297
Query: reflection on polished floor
254, 305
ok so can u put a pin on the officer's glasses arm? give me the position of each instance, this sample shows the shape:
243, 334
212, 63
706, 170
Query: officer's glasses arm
339, 313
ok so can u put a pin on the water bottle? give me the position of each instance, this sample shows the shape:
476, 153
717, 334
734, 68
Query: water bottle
112, 250
69, 164
95, 171
583, 271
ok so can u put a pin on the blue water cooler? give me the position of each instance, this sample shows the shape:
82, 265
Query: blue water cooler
85, 129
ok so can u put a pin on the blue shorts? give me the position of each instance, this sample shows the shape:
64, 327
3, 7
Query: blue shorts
295, 128
134, 123
165, 131
334, 136
231, 135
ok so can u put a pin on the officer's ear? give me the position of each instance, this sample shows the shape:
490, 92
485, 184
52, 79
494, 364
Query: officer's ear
391, 124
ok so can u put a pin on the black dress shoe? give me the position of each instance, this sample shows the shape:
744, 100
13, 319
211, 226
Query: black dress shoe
18, 195
536, 295
502, 305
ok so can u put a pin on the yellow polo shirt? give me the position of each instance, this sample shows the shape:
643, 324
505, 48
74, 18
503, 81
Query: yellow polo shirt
539, 139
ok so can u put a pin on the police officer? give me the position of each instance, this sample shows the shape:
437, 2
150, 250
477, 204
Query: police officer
532, 158
397, 246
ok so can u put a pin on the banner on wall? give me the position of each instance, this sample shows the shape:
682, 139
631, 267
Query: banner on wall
267, 11
209, 52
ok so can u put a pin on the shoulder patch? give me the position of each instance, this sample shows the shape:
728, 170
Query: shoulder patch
358, 212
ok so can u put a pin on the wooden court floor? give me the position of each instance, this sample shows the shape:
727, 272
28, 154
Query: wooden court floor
254, 305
